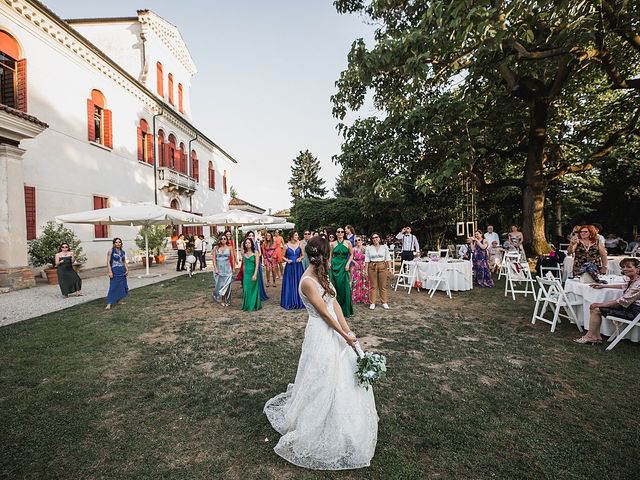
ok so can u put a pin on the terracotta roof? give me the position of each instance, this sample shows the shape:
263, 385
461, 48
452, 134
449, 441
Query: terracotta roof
237, 202
24, 116
282, 213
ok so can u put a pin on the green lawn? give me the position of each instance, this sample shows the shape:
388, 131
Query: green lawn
172, 386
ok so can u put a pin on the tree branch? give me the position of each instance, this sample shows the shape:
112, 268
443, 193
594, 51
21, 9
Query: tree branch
614, 138
564, 70
632, 38
565, 169
610, 68
536, 54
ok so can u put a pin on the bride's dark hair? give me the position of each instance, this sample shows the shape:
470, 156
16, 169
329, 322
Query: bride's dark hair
317, 251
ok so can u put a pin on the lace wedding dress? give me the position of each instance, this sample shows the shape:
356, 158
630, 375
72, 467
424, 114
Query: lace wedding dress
326, 420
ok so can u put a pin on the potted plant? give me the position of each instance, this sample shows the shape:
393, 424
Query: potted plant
43, 249
156, 240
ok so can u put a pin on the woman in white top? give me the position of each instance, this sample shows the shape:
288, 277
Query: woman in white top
377, 261
181, 245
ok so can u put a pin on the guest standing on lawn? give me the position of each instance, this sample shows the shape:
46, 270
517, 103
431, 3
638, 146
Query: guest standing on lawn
587, 248
280, 249
303, 245
117, 269
378, 262
270, 259
293, 255
340, 258
350, 234
223, 265
256, 249
181, 246
481, 271
250, 289
359, 277
68, 279
409, 244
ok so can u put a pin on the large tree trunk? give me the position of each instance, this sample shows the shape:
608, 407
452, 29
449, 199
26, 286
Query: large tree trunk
533, 191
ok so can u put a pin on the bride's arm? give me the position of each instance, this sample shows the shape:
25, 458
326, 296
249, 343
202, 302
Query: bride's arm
311, 292
341, 320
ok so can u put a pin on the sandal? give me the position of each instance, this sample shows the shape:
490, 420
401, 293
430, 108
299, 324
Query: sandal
108, 307
584, 340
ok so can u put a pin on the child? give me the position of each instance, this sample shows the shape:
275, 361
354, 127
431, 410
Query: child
495, 257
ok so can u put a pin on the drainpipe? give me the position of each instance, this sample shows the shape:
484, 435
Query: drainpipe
155, 156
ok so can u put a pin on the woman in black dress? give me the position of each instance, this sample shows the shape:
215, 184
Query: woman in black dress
68, 279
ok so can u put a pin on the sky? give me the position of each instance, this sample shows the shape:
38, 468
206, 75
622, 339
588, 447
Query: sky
266, 72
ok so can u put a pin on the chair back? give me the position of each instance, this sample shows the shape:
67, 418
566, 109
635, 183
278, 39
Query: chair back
444, 253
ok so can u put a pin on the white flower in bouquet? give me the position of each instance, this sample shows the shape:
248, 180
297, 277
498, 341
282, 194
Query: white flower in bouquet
371, 367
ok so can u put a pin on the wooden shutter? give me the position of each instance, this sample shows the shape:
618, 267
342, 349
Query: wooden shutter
108, 130
21, 85
212, 182
140, 146
150, 152
30, 211
196, 169
166, 161
224, 183
91, 126
101, 231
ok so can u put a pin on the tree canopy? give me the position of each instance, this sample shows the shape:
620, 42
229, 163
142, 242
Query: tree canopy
525, 96
305, 181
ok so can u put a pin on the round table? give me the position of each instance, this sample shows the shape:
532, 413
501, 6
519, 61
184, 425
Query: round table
589, 295
457, 272
613, 266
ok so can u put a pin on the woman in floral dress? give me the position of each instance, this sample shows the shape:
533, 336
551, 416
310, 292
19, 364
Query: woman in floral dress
481, 271
359, 276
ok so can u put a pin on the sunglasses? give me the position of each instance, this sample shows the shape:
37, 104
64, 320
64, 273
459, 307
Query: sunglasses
375, 236
339, 231
584, 231
64, 246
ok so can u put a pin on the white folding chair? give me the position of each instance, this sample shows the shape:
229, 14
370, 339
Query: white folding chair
438, 278
433, 253
555, 271
518, 273
618, 335
563, 247
406, 275
443, 253
507, 258
551, 293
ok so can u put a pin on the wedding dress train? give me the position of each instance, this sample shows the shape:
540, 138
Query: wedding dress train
326, 420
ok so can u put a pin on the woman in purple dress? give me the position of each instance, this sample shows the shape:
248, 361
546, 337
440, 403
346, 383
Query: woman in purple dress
481, 271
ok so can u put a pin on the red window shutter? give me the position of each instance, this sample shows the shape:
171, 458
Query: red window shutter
159, 80
91, 127
140, 146
101, 231
21, 84
166, 161
213, 179
196, 170
108, 130
30, 211
224, 183
185, 164
150, 151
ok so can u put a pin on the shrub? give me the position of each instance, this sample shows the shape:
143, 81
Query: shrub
157, 237
43, 249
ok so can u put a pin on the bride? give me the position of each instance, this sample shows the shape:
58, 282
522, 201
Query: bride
326, 420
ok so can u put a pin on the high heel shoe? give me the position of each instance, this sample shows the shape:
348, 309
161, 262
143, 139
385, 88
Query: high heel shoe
584, 340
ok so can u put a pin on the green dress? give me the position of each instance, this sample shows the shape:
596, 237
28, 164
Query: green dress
250, 288
340, 278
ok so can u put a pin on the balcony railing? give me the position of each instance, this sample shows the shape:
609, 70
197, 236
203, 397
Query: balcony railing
176, 180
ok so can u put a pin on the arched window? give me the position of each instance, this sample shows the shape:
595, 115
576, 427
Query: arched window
161, 153
183, 160
170, 88
13, 74
159, 80
145, 143
195, 166
171, 152
99, 120
212, 177
180, 99
224, 182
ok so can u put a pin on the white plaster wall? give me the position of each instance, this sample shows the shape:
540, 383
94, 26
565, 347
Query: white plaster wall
66, 169
119, 40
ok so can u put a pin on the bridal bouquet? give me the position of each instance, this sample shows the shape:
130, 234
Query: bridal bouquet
371, 367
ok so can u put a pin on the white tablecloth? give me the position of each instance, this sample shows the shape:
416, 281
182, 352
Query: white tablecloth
613, 266
460, 276
590, 295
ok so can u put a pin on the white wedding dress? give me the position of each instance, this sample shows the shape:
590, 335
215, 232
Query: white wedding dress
326, 420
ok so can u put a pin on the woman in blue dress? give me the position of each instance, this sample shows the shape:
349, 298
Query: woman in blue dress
223, 262
293, 255
117, 270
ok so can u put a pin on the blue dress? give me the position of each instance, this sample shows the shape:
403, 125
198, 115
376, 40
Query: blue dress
223, 278
118, 288
263, 291
290, 298
481, 271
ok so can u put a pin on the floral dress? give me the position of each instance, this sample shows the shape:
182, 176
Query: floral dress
584, 255
359, 279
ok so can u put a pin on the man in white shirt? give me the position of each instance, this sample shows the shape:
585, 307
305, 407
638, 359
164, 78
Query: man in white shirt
490, 236
410, 244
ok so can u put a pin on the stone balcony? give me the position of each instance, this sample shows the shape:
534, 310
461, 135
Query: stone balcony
171, 180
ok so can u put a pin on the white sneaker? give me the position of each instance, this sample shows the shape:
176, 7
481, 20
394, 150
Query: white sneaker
372, 306
385, 306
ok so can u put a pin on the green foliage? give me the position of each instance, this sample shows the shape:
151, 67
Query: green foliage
305, 181
43, 249
316, 214
156, 236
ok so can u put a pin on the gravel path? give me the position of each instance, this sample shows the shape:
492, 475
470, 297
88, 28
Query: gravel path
43, 298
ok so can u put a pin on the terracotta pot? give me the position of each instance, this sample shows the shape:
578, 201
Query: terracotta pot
159, 259
52, 275
144, 261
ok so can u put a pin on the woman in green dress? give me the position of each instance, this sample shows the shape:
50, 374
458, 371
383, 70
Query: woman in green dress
68, 279
340, 258
250, 288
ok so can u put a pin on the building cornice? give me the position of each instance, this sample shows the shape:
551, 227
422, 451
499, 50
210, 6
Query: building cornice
17, 126
53, 26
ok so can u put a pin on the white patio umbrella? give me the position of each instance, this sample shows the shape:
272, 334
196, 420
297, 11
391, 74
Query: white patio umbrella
236, 218
143, 215
270, 226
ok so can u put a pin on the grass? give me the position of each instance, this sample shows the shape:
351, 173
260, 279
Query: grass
172, 386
